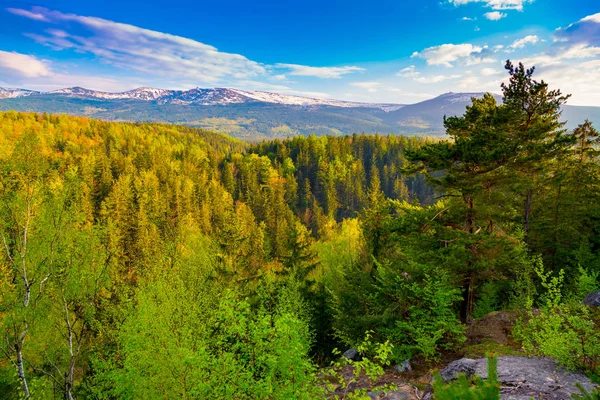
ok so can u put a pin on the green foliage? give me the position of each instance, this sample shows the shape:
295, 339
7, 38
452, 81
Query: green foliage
489, 299
158, 261
567, 331
585, 394
412, 307
422, 312
586, 283
374, 357
185, 338
476, 389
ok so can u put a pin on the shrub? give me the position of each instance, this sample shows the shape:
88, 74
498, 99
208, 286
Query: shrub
421, 310
375, 356
567, 331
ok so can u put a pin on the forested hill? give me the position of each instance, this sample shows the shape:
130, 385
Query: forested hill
95, 208
157, 261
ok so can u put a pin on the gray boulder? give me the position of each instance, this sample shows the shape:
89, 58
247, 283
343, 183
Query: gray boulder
465, 366
351, 354
523, 377
404, 366
592, 299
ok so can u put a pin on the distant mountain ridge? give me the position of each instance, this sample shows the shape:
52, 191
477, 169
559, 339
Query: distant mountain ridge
255, 115
196, 96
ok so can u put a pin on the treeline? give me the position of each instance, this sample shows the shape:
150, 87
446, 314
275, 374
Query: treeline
339, 172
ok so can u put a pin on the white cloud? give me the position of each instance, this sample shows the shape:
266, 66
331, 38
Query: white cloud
408, 72
490, 71
263, 86
494, 15
27, 14
152, 52
593, 18
28, 71
368, 86
435, 78
319, 72
580, 51
582, 79
520, 43
105, 84
495, 4
586, 31
18, 66
403, 92
446, 54
411, 72
468, 19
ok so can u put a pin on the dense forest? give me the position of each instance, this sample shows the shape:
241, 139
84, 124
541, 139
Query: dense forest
160, 261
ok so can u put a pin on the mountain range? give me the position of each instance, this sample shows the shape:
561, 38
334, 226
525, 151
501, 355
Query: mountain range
255, 115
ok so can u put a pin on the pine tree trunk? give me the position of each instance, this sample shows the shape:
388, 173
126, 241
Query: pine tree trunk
527, 213
469, 217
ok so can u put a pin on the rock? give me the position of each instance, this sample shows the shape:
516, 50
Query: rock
404, 366
523, 378
592, 299
392, 395
351, 354
494, 327
465, 366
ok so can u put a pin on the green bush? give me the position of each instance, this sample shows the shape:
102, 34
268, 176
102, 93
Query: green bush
421, 311
567, 331
375, 356
414, 310
585, 394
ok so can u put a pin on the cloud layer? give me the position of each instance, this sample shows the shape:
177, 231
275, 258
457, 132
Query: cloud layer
448, 54
157, 53
144, 50
16, 66
318, 72
495, 4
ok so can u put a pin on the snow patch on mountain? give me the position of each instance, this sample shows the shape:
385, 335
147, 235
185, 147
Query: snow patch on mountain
9, 93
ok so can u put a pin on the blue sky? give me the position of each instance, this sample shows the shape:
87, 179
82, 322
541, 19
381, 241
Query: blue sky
391, 51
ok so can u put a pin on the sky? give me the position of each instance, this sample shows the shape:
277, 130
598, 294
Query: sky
371, 51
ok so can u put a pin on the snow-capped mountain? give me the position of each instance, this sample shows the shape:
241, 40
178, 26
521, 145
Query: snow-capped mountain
9, 93
143, 93
199, 96
278, 98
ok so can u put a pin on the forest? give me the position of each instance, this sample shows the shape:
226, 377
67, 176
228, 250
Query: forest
145, 260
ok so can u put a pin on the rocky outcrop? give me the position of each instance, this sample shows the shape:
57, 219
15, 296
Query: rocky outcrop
403, 367
522, 378
351, 354
402, 392
592, 299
